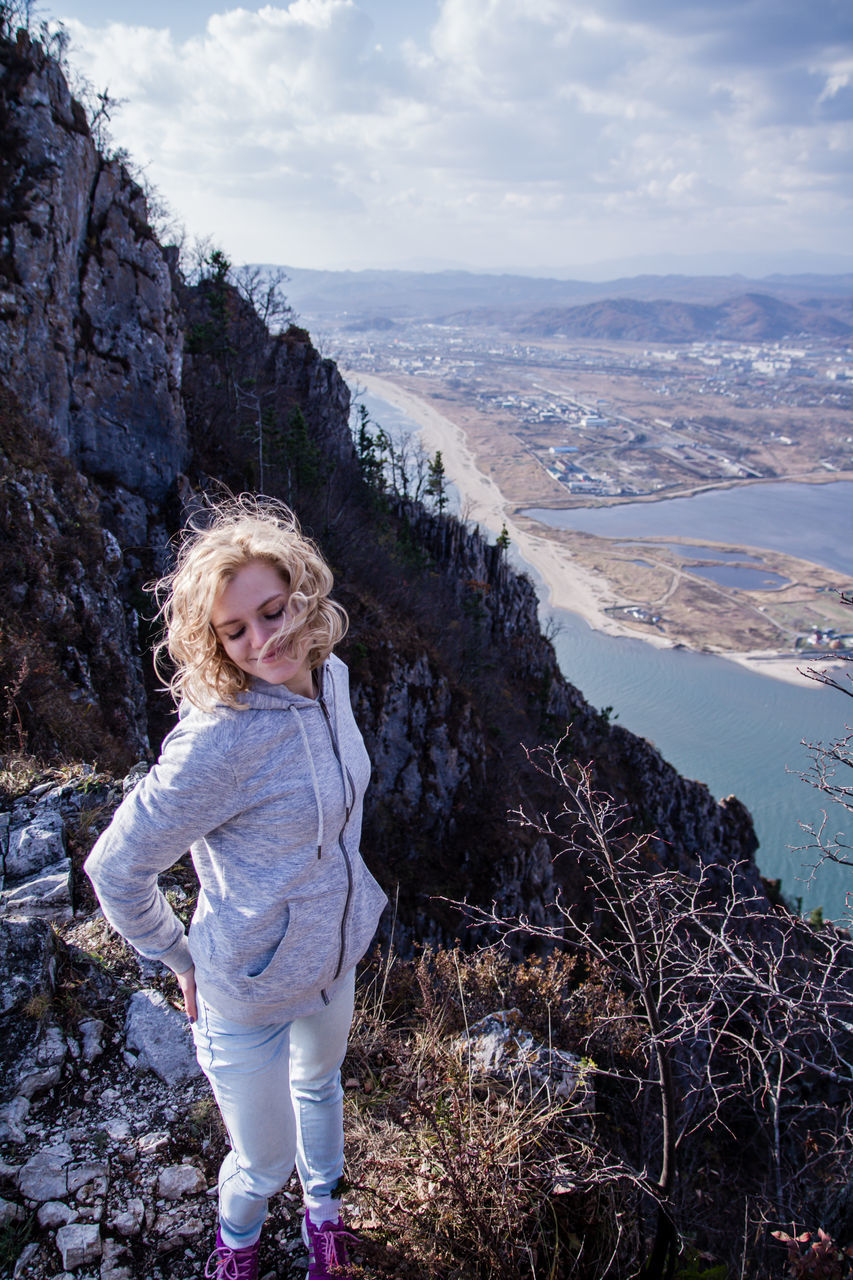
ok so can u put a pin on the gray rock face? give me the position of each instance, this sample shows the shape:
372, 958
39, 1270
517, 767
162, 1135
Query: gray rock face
31, 1060
425, 752
46, 894
26, 953
51, 1052
302, 376
161, 1037
89, 329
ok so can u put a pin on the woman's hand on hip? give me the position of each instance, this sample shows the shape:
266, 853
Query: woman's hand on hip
186, 981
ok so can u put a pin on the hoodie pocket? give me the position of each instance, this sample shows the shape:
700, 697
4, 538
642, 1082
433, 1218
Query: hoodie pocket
368, 903
307, 956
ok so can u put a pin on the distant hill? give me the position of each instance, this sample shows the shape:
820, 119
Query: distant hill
646, 308
751, 317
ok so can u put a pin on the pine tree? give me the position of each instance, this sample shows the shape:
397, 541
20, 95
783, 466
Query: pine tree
437, 482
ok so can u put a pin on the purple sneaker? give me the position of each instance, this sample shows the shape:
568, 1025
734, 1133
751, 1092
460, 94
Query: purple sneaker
327, 1250
232, 1264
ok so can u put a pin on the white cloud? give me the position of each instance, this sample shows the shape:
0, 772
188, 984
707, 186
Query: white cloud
298, 133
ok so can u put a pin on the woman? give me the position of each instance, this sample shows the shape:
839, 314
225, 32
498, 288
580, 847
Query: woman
263, 779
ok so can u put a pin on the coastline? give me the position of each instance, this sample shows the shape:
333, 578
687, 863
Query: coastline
569, 585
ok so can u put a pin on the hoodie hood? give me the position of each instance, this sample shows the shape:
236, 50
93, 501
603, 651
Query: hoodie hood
261, 696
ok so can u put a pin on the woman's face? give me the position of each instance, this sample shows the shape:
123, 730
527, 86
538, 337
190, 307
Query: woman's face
247, 613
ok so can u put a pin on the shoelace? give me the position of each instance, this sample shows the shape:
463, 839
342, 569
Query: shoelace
326, 1240
228, 1265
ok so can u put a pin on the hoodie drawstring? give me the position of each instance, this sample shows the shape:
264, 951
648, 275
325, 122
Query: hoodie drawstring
314, 781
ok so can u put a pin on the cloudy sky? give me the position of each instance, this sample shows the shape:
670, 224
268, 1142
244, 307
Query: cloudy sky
543, 135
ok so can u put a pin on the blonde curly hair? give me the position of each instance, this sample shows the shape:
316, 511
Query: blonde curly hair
225, 537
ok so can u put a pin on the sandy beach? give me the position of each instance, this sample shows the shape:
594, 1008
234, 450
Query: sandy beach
569, 585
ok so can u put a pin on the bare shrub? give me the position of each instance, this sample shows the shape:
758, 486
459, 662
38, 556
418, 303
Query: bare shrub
744, 1044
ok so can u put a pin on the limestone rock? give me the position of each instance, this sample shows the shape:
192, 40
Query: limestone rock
89, 333
53, 1173
50, 1057
44, 1177
55, 1213
498, 1045
92, 1031
174, 1226
162, 1038
129, 1221
26, 954
12, 1117
117, 1128
78, 1243
26, 1258
179, 1180
156, 1140
46, 895
38, 844
89, 1178
10, 1213
112, 1268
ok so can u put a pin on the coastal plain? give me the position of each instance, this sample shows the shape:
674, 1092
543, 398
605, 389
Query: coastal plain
558, 425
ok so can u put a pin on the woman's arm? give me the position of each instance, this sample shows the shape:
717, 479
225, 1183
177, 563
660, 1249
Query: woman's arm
189, 792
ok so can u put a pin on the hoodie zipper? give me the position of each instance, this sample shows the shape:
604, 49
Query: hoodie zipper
345, 777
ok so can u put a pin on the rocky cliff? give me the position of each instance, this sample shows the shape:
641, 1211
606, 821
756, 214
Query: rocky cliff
90, 335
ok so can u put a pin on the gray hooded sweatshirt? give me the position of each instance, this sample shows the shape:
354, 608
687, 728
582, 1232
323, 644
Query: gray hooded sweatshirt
269, 802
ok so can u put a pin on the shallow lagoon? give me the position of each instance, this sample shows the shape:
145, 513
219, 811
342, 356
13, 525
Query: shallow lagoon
740, 577
814, 521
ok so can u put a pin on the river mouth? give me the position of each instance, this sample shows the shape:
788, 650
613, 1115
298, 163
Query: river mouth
748, 572
725, 724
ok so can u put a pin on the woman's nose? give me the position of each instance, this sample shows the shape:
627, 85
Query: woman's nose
259, 635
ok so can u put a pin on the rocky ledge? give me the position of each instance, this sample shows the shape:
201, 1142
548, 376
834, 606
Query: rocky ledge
109, 1135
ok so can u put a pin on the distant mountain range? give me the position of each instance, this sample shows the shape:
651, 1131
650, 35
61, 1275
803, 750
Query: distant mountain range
751, 317
648, 308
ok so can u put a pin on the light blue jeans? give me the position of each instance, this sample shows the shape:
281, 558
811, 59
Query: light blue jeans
279, 1091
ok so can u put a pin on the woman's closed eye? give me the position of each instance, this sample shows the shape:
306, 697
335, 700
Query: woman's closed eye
272, 616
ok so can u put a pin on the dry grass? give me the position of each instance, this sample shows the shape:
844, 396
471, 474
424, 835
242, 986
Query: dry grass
455, 1174
19, 773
